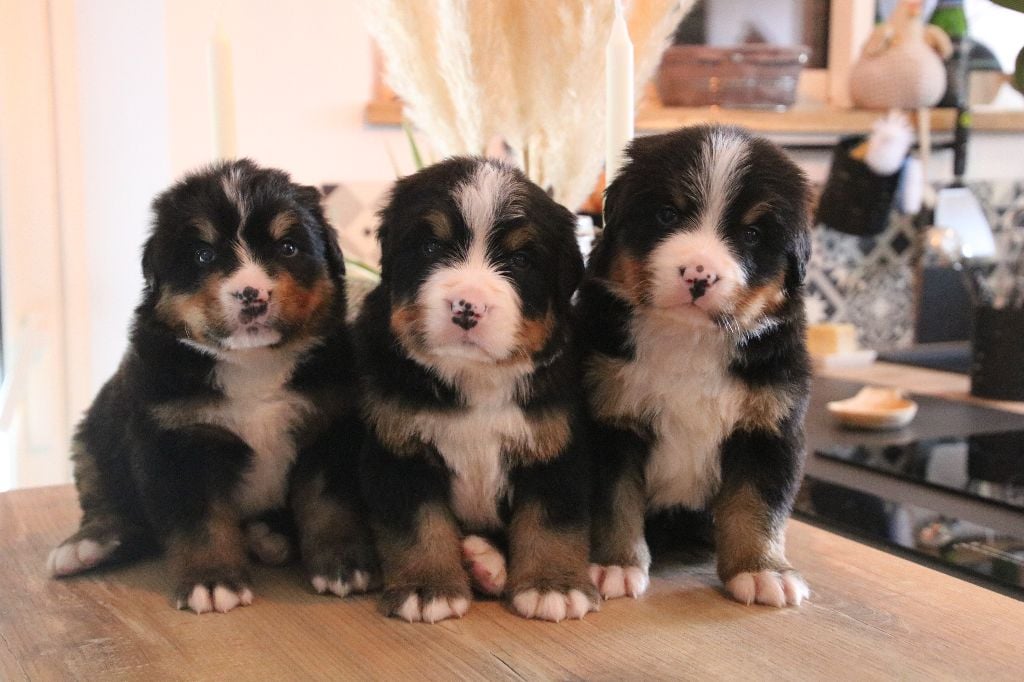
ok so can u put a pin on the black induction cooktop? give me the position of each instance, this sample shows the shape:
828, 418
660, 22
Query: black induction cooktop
988, 467
956, 448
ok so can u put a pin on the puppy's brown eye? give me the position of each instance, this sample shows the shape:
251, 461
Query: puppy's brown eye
287, 248
205, 255
751, 235
431, 247
666, 216
519, 260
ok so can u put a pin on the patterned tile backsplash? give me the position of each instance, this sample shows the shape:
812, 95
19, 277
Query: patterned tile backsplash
869, 281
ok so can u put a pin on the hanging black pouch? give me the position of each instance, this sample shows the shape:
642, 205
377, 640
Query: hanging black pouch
855, 199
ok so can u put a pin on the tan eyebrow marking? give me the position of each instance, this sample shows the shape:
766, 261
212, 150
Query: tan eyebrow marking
756, 211
439, 224
518, 237
281, 223
207, 232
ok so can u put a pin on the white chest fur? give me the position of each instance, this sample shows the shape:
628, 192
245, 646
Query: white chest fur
472, 443
262, 412
679, 381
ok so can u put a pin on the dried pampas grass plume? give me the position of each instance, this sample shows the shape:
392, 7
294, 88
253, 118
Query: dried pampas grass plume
530, 71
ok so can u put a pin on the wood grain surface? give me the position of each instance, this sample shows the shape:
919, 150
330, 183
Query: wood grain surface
871, 616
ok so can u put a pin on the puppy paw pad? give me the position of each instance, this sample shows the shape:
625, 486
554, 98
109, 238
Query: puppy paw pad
221, 598
613, 582
770, 588
486, 565
75, 557
358, 582
552, 605
414, 610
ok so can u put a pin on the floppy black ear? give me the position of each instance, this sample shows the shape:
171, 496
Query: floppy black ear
149, 265
571, 270
311, 198
798, 255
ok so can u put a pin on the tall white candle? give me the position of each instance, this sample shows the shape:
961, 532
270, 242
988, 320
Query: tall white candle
619, 96
222, 96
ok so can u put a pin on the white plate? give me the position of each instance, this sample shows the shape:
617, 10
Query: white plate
875, 408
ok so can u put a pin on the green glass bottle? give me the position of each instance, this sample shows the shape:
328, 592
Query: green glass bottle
949, 16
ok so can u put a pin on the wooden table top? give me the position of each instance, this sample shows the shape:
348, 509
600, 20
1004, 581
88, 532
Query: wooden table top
871, 616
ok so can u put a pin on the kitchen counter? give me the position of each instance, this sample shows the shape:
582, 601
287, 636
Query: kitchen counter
871, 615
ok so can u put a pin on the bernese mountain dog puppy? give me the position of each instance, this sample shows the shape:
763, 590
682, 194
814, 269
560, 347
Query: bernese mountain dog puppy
233, 417
472, 398
697, 374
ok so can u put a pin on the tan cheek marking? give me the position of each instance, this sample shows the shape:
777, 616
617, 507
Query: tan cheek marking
533, 335
629, 277
748, 534
192, 315
755, 303
299, 306
407, 325
540, 555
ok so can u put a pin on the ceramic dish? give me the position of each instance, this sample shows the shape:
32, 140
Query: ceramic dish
875, 408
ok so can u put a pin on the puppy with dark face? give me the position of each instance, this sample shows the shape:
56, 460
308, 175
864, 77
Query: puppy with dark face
233, 418
472, 399
697, 374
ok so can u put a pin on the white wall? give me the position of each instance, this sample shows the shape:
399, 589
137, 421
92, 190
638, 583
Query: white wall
302, 76
125, 151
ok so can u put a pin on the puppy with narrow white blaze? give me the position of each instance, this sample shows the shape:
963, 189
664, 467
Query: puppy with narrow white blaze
230, 428
692, 324
472, 398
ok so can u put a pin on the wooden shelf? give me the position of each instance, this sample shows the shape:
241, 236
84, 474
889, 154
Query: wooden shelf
805, 119
802, 119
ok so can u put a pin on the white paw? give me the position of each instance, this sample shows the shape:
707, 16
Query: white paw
768, 587
359, 582
485, 563
269, 547
75, 557
613, 582
221, 599
553, 606
414, 610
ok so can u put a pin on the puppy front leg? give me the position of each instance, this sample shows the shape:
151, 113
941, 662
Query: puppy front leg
418, 539
333, 528
186, 481
620, 559
759, 478
549, 541
209, 563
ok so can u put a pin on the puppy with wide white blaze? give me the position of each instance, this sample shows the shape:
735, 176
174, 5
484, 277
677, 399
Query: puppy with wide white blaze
472, 398
692, 324
230, 426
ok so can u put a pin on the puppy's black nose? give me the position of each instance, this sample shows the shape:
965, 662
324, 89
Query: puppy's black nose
698, 279
464, 315
248, 294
